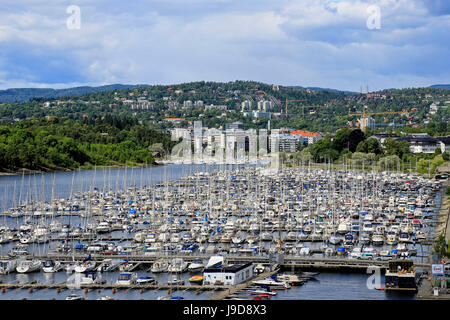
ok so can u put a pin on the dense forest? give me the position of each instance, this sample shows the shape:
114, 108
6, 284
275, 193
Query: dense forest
61, 143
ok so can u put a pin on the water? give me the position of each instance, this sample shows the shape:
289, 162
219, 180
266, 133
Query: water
18, 189
328, 286
42, 187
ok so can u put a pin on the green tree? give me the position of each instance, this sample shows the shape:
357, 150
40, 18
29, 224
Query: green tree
355, 137
370, 145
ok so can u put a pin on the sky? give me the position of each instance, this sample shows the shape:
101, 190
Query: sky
340, 44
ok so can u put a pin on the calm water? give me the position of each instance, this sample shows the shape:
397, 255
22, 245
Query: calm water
328, 286
20, 189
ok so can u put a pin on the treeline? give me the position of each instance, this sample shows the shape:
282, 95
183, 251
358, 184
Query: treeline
57, 143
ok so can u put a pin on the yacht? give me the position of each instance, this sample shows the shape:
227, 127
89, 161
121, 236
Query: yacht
146, 280
175, 281
51, 266
108, 265
335, 239
356, 253
266, 236
364, 238
150, 238
126, 278
27, 266
237, 239
85, 266
74, 296
196, 265
377, 239
404, 237
103, 227
8, 266
177, 265
159, 266
342, 228
272, 284
92, 278
292, 279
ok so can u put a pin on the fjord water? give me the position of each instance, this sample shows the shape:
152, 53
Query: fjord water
42, 187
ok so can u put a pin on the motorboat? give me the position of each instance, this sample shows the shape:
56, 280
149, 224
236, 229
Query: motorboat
8, 266
74, 296
305, 251
196, 279
51, 266
91, 278
259, 268
341, 251
196, 265
108, 265
272, 284
237, 239
364, 237
356, 253
146, 280
377, 239
126, 278
329, 252
292, 279
159, 266
103, 227
335, 239
342, 228
150, 238
266, 236
175, 281
404, 237
177, 265
291, 236
85, 266
27, 266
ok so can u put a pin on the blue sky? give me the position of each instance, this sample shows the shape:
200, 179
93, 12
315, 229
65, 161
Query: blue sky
324, 43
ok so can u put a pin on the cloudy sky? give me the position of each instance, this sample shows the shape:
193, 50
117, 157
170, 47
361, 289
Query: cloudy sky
342, 44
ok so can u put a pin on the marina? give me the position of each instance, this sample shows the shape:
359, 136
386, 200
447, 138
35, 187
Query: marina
154, 231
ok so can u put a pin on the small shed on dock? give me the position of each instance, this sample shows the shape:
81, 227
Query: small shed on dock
228, 274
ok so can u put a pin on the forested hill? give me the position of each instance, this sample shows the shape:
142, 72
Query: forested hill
60, 143
27, 94
219, 103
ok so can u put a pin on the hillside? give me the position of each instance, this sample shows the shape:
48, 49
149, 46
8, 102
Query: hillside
27, 94
218, 103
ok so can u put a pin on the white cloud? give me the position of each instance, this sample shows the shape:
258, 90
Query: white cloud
312, 42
